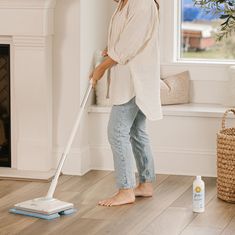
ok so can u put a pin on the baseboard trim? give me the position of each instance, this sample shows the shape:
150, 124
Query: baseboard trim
25, 175
77, 162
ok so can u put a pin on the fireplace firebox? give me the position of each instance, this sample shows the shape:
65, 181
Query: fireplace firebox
5, 114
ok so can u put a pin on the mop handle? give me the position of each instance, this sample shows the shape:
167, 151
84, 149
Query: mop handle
53, 185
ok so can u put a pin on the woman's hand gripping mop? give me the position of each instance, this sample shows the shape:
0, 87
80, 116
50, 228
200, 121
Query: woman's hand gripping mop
48, 207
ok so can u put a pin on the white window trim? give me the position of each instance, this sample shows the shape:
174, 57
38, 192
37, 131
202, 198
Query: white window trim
170, 29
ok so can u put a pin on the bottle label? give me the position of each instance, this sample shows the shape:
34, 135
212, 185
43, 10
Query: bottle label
198, 198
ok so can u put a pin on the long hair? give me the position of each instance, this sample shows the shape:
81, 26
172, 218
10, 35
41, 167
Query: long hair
158, 7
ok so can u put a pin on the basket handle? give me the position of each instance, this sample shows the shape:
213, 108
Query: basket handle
225, 115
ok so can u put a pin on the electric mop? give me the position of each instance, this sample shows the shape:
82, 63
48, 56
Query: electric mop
48, 207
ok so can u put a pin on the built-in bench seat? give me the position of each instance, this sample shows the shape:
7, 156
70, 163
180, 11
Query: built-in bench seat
190, 109
183, 142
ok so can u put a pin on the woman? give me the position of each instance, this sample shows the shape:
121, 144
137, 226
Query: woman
133, 56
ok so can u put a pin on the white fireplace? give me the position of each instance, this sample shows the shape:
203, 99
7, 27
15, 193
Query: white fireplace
51, 60
27, 26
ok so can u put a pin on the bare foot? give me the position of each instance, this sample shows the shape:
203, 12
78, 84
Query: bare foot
144, 190
124, 196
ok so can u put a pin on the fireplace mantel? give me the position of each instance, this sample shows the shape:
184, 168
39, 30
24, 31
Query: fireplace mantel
28, 26
27, 17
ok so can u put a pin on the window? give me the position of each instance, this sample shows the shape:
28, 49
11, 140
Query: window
198, 35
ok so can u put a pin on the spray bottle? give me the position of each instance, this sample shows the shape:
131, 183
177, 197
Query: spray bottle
198, 195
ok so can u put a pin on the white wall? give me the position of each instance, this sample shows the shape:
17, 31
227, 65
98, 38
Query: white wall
66, 68
93, 35
80, 29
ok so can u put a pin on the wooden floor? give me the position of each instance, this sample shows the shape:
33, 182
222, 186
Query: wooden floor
169, 212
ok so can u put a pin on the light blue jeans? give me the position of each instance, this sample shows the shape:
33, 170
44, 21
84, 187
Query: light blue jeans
127, 134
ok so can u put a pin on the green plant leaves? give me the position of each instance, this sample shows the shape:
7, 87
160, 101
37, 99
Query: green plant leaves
226, 11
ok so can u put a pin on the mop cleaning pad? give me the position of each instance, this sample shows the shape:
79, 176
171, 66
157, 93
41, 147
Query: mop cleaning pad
44, 208
42, 216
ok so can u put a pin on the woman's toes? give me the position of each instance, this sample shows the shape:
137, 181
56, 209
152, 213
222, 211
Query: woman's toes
120, 198
101, 202
107, 203
104, 202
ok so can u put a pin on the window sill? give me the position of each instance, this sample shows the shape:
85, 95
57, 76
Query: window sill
187, 110
203, 63
206, 62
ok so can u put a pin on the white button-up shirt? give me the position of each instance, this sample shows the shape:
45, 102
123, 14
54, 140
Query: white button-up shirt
121, 89
136, 48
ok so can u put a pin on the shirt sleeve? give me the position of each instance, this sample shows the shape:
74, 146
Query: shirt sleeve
135, 34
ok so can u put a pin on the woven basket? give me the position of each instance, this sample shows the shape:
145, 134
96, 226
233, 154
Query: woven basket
226, 161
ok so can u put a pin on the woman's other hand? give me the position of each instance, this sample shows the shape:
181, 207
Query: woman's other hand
96, 75
99, 71
105, 52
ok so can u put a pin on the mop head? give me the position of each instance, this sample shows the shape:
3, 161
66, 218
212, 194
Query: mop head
43, 208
